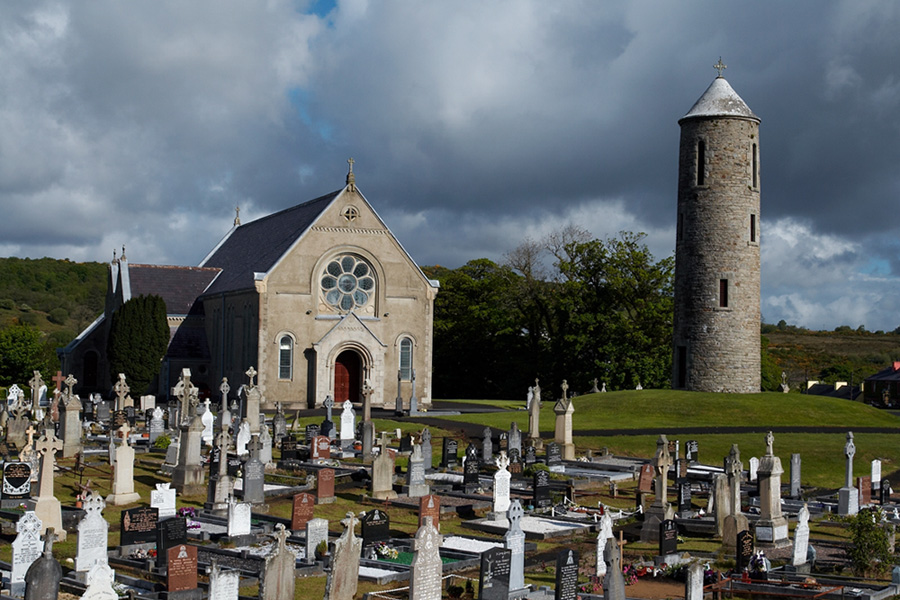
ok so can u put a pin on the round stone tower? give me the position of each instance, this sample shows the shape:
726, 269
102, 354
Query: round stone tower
716, 345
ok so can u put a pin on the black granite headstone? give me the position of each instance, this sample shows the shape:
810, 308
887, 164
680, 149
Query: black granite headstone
554, 453
289, 447
885, 492
376, 527
541, 489
566, 575
744, 551
684, 496
235, 464
470, 470
692, 451
16, 481
138, 526
312, 430
169, 533
668, 537
515, 462
406, 443
495, 568
449, 451
530, 455
327, 428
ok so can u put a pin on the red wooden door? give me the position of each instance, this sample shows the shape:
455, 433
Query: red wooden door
347, 370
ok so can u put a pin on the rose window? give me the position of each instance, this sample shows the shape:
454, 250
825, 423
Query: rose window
347, 283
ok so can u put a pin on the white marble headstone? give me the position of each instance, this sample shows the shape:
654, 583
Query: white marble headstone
243, 438
348, 422
93, 533
238, 517
26, 548
316, 531
754, 467
163, 498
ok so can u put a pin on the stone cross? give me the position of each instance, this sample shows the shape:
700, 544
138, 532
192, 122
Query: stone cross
224, 389
662, 461
565, 389
849, 452
383, 443
720, 66
58, 379
223, 441
770, 442
367, 392
35, 383
121, 388
251, 373
186, 392
329, 405
47, 446
254, 446
70, 383
30, 433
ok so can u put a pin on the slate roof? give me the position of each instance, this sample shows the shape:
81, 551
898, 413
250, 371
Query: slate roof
255, 247
891, 373
720, 100
178, 286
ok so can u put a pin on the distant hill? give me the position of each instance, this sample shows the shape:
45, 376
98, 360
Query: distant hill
59, 297
830, 356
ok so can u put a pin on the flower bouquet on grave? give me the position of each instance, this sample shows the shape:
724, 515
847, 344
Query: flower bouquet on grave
385, 551
759, 567
189, 513
630, 573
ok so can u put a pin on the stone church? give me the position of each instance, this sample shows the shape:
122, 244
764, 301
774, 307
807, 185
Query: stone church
319, 298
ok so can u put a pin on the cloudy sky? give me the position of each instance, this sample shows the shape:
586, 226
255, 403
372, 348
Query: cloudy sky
473, 125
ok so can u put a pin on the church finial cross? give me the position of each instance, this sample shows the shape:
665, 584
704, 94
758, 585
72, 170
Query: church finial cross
351, 178
720, 66
237, 216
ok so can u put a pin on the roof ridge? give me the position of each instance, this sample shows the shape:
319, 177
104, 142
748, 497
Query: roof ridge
324, 197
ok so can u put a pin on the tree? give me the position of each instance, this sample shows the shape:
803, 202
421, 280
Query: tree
869, 551
22, 351
771, 374
138, 339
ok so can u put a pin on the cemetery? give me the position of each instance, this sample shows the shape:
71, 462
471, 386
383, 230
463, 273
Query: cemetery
613, 494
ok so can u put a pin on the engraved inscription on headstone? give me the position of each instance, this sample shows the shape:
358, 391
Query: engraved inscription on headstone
375, 527
668, 537
181, 573
16, 480
169, 533
138, 526
494, 580
744, 551
541, 489
566, 575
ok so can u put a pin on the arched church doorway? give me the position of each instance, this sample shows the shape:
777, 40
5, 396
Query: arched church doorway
347, 377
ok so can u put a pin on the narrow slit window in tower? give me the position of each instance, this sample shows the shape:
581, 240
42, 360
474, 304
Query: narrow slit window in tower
752, 228
755, 163
701, 162
723, 293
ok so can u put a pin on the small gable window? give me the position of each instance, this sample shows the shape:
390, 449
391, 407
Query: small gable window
285, 357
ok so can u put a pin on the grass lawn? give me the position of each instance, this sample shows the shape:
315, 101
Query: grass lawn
659, 409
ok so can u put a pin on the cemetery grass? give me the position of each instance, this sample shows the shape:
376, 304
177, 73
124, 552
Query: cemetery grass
659, 409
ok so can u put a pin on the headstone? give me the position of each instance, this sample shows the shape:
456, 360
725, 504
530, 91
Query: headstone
754, 468
541, 489
494, 575
265, 451
16, 481
487, 446
343, 579
515, 462
325, 486
470, 470
449, 452
885, 492
188, 477
169, 534
566, 575
181, 569
163, 499
693, 586
864, 485
376, 525
47, 508
430, 506
848, 496
138, 526
383, 472
123, 473
501, 485
254, 474
692, 451
684, 496
302, 510
100, 582
514, 541
406, 443
534, 418
660, 510
93, 532
416, 483
311, 431
238, 518
564, 409
772, 527
279, 423
614, 582
243, 438
554, 454
208, 419
156, 426
26, 549
606, 533
801, 538
223, 585
252, 400
316, 532
70, 417
795, 476
514, 439
425, 438
645, 479
321, 448
348, 426
44, 575
668, 537
876, 476
426, 567
744, 551
530, 455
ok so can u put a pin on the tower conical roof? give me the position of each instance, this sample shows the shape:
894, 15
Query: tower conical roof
720, 100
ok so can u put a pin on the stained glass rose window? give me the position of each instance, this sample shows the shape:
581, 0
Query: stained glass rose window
347, 283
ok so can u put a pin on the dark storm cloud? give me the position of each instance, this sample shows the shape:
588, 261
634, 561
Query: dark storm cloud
474, 125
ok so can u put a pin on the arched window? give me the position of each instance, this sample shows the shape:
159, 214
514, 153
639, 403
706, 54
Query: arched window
406, 355
285, 357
